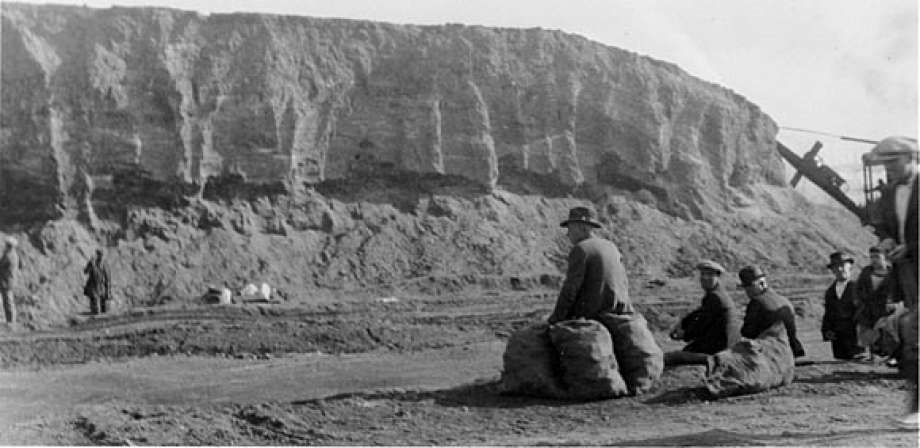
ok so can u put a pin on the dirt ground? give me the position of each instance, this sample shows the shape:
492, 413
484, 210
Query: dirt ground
400, 370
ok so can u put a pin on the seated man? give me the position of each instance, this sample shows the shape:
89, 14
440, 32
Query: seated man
872, 287
712, 327
765, 308
595, 282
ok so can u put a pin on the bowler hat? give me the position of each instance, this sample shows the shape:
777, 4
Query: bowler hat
839, 258
749, 274
583, 215
710, 265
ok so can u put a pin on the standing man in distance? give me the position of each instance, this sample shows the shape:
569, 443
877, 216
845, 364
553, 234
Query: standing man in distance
9, 271
595, 281
97, 284
840, 303
765, 308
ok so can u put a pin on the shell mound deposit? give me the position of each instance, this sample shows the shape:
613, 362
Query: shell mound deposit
328, 156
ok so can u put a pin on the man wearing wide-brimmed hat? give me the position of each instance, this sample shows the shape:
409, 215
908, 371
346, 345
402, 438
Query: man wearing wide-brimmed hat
9, 271
839, 323
595, 281
766, 308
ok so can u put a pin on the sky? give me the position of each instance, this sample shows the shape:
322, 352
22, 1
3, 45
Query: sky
843, 67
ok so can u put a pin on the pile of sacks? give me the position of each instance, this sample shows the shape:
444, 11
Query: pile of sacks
580, 360
752, 365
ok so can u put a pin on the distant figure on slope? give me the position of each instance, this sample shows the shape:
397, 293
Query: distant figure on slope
765, 308
9, 271
839, 323
712, 327
595, 281
97, 284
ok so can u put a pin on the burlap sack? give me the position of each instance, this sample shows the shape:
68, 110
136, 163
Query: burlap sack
640, 359
587, 361
753, 365
530, 364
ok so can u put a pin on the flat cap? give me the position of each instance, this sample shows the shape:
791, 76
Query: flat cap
710, 265
895, 146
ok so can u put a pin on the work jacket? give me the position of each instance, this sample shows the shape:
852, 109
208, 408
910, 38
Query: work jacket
595, 282
712, 327
766, 309
871, 302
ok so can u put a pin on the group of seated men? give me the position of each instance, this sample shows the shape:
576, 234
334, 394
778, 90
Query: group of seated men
596, 284
715, 326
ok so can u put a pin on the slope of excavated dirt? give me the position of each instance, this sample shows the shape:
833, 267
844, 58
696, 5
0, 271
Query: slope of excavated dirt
377, 239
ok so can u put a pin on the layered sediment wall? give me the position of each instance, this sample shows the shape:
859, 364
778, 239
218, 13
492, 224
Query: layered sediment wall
94, 94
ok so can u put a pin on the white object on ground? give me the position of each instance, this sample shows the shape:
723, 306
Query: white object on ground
249, 290
266, 291
225, 296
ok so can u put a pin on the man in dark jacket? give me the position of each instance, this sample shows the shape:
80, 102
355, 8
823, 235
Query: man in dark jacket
712, 327
9, 271
897, 230
595, 281
765, 308
872, 286
839, 322
97, 284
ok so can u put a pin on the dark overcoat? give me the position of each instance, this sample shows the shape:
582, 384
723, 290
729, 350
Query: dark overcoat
595, 282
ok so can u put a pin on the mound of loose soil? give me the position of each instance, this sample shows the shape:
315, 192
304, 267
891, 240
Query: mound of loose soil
377, 240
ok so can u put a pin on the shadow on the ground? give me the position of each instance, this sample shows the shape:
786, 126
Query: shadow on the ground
840, 376
680, 396
720, 437
482, 394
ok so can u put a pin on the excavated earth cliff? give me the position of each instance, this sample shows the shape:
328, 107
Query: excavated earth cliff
331, 156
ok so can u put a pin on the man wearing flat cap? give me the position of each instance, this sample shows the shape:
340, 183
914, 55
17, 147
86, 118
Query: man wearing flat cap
897, 230
712, 327
595, 281
9, 271
839, 322
765, 308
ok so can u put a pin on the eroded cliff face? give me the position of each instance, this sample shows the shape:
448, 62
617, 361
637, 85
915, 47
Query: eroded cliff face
297, 101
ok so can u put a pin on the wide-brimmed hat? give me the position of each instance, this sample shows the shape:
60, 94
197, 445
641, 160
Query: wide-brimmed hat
709, 265
583, 215
748, 275
839, 257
